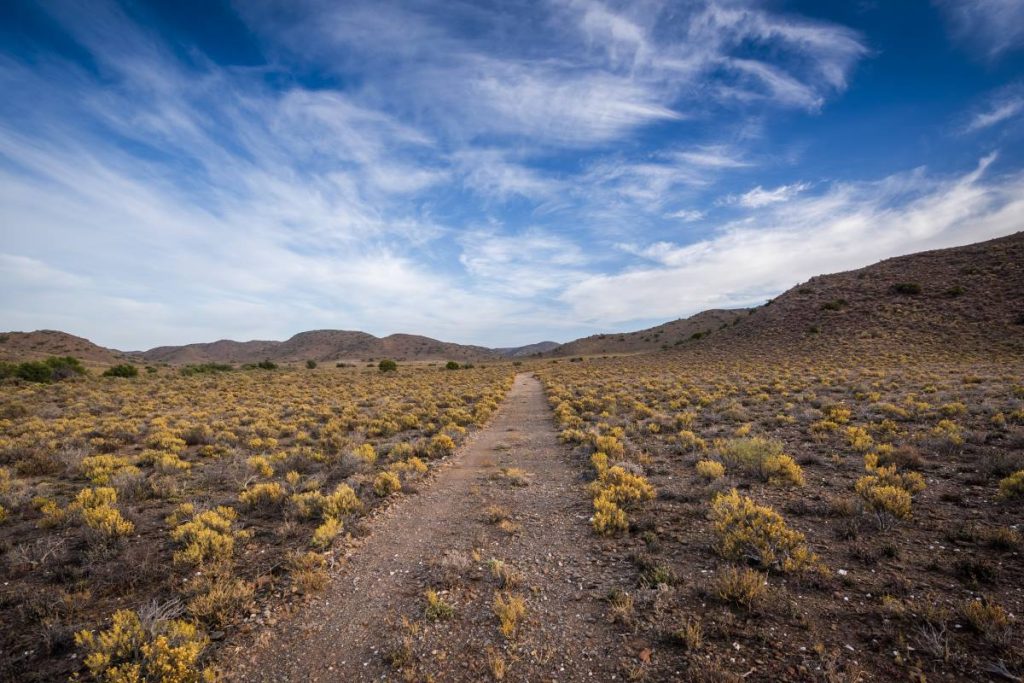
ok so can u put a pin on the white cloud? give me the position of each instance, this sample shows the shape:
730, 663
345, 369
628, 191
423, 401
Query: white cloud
989, 27
848, 226
686, 215
1005, 104
760, 197
521, 265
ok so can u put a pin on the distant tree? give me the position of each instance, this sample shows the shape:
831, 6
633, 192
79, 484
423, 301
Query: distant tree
387, 365
310, 364
123, 370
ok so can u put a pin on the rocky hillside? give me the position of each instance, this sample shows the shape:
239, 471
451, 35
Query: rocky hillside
528, 350
959, 299
319, 345
22, 346
663, 336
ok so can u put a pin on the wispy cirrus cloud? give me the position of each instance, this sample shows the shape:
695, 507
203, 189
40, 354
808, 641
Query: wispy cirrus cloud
1004, 105
990, 28
759, 196
849, 225
468, 171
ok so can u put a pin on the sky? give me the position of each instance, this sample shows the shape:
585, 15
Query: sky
489, 173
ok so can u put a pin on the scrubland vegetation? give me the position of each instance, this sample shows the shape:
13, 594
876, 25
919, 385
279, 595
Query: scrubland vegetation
836, 516
146, 518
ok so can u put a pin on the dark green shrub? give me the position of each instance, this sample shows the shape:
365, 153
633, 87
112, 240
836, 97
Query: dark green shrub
267, 365
206, 368
53, 369
310, 364
123, 370
833, 305
451, 365
907, 288
387, 365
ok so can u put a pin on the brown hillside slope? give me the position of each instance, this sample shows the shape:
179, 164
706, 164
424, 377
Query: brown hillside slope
967, 298
23, 346
662, 336
318, 345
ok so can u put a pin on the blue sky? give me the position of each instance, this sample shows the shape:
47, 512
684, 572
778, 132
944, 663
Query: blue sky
490, 173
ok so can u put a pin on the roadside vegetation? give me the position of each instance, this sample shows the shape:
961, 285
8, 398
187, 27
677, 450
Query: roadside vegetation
145, 519
829, 522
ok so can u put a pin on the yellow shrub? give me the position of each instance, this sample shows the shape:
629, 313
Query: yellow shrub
608, 517
386, 483
781, 470
600, 462
207, 537
688, 441
342, 502
510, 610
437, 608
710, 469
949, 432
325, 534
307, 504
859, 439
610, 445
100, 468
1012, 486
366, 453
622, 487
740, 586
261, 466
308, 571
95, 507
889, 503
760, 457
52, 514
265, 493
986, 616
747, 531
168, 652
164, 461
219, 599
440, 445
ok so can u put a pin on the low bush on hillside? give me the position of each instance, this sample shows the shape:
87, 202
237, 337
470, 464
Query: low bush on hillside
123, 370
52, 369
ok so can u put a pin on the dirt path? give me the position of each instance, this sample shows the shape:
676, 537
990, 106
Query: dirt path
370, 624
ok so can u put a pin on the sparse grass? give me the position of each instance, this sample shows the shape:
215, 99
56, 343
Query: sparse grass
743, 587
250, 468
436, 607
510, 610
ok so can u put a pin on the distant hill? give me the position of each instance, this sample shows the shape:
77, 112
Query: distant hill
528, 350
969, 298
963, 298
319, 345
663, 336
22, 346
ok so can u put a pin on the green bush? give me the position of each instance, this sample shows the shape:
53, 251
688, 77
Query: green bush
267, 365
387, 365
452, 365
53, 369
205, 368
123, 370
310, 364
